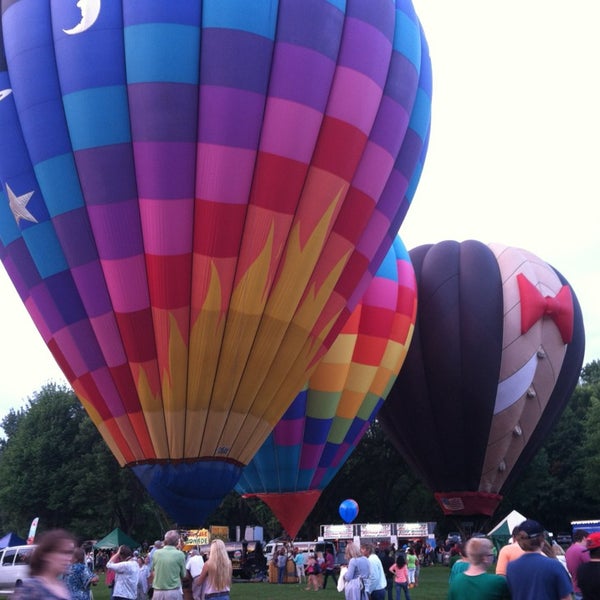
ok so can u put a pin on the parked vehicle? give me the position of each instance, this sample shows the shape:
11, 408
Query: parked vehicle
322, 547
14, 567
248, 563
272, 547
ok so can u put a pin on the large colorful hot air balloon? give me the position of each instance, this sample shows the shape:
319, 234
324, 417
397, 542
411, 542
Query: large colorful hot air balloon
194, 196
329, 417
497, 352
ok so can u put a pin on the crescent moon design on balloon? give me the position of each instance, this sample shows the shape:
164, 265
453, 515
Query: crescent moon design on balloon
90, 9
5, 93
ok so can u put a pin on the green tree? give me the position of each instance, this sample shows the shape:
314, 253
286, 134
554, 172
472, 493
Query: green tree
382, 484
590, 374
592, 449
551, 488
10, 424
374, 475
54, 465
236, 511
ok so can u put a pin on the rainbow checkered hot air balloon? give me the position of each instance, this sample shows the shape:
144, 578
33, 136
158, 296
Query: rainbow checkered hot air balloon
329, 417
194, 197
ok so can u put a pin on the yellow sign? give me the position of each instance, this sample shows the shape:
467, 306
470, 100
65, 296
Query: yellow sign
219, 532
198, 537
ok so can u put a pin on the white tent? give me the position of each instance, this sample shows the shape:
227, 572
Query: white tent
502, 533
511, 520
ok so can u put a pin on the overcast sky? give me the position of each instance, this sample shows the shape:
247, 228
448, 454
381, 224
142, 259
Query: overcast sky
514, 155
515, 142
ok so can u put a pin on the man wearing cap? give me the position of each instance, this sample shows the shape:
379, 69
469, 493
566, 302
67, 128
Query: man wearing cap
535, 576
588, 574
575, 556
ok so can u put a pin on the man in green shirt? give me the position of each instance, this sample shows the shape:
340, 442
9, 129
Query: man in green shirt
168, 569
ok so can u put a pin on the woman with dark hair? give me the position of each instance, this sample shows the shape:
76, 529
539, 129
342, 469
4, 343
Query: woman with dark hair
127, 572
80, 578
51, 559
400, 571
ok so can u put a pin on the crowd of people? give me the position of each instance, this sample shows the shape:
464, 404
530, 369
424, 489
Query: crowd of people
315, 568
528, 568
367, 572
61, 571
376, 573
312, 569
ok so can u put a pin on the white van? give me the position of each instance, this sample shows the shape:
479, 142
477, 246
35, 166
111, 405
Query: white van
14, 567
272, 547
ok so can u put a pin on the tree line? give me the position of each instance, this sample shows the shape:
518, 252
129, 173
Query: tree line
54, 465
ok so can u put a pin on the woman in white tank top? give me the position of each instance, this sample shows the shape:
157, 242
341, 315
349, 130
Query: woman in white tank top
216, 573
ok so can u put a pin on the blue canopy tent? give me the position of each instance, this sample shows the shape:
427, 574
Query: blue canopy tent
11, 539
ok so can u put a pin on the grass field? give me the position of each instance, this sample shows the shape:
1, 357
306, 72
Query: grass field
433, 585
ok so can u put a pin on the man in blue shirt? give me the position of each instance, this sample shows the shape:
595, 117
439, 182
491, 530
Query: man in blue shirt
535, 576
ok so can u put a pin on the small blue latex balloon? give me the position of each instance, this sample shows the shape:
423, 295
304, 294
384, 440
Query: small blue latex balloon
348, 510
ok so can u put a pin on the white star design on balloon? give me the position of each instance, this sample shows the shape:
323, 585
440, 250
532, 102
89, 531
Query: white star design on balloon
18, 205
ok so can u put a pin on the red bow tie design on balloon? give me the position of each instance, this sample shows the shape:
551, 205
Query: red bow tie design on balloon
534, 306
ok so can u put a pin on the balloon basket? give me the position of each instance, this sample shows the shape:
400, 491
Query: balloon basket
290, 573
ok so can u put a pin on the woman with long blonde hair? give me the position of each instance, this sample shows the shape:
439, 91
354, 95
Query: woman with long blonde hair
216, 573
